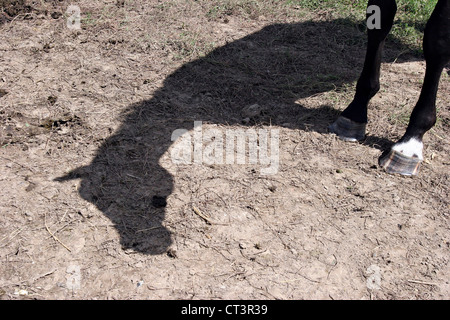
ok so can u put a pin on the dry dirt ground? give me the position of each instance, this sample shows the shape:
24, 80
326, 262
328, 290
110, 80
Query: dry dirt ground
94, 206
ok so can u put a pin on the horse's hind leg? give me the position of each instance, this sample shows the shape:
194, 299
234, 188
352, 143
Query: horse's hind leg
405, 156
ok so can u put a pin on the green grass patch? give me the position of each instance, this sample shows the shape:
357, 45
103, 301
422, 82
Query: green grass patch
409, 24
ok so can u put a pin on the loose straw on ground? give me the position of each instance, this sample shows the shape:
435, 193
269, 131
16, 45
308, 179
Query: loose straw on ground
200, 214
52, 234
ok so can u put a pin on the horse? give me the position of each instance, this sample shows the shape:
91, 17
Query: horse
406, 155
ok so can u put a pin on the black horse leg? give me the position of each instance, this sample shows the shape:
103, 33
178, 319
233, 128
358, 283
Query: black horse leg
351, 123
406, 155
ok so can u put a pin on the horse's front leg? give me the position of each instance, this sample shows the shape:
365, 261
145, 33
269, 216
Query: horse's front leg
351, 124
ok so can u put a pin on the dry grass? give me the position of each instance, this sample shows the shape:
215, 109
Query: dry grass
86, 118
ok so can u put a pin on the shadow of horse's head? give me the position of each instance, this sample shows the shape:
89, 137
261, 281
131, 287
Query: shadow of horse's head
271, 69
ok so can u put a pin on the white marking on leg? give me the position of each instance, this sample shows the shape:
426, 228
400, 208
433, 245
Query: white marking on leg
411, 148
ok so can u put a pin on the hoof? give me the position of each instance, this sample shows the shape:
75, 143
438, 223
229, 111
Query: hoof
395, 162
348, 130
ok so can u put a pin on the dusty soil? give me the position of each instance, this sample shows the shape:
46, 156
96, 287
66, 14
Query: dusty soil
93, 205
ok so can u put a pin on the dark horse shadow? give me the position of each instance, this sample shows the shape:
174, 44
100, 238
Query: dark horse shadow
272, 68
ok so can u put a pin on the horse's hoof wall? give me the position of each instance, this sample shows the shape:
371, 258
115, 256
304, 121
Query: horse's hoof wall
395, 162
348, 130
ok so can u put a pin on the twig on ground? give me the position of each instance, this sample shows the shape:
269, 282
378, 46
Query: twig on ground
208, 220
52, 234
423, 282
